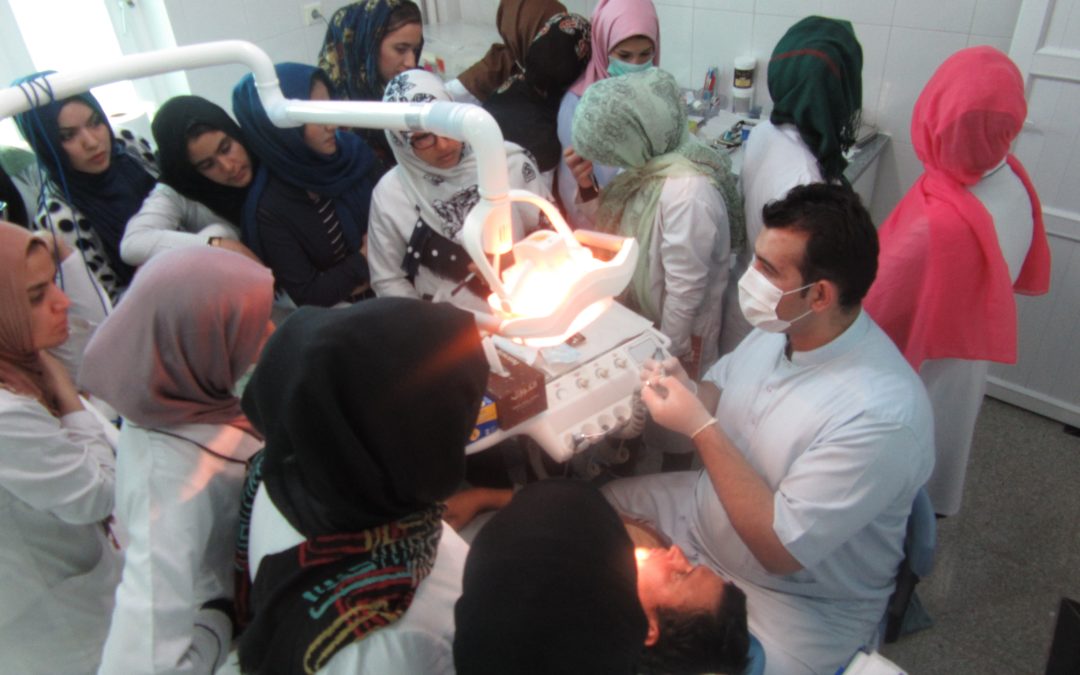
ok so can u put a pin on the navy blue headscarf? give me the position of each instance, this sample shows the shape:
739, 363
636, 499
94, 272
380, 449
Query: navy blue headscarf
108, 199
344, 176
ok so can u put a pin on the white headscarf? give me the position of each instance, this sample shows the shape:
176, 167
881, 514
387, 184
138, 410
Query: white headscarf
443, 197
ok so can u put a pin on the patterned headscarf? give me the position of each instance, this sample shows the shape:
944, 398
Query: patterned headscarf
518, 22
638, 122
346, 175
171, 125
442, 197
526, 105
815, 81
21, 370
108, 199
350, 51
612, 22
191, 323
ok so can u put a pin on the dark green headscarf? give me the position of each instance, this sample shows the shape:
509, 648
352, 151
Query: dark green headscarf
815, 81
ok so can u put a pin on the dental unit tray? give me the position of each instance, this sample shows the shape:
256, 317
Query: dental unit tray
589, 398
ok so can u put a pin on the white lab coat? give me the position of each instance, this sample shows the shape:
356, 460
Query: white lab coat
58, 566
393, 219
776, 159
956, 386
179, 496
168, 220
90, 305
689, 256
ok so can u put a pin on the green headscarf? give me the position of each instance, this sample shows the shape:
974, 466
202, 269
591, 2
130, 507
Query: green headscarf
638, 122
815, 81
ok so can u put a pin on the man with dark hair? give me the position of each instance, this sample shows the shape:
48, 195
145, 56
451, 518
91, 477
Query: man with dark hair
697, 621
814, 451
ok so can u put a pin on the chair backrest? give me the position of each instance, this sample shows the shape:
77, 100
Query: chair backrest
755, 664
918, 561
921, 535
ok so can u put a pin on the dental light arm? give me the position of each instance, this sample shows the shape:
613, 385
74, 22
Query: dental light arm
556, 284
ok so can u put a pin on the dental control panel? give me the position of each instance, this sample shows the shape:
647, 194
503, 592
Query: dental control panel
591, 383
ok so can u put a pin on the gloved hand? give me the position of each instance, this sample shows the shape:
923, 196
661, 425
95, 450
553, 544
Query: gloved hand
674, 406
652, 370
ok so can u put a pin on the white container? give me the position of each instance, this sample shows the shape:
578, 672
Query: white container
742, 85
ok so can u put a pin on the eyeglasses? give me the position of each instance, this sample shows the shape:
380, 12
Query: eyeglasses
423, 141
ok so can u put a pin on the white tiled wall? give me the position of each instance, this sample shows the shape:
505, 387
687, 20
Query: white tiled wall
903, 42
274, 25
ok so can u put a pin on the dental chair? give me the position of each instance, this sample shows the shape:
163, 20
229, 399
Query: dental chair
918, 561
755, 658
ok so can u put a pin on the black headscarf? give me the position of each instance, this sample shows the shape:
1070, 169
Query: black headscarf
171, 125
109, 199
550, 586
366, 411
527, 106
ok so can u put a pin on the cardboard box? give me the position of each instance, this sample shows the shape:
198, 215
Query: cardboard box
520, 395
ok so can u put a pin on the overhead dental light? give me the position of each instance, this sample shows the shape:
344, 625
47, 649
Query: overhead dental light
557, 283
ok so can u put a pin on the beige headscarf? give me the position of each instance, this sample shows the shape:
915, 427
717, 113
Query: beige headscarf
21, 370
191, 323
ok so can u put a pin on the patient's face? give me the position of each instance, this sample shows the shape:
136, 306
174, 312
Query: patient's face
667, 579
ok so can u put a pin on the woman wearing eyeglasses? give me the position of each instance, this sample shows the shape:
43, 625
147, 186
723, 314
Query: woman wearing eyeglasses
312, 193
419, 207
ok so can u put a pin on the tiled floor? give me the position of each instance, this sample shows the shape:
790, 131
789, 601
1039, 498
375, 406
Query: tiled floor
1005, 561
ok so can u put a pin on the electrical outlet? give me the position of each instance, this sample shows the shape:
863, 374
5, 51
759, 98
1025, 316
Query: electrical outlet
311, 12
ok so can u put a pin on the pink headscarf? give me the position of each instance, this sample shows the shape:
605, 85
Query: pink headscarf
189, 326
943, 288
20, 365
612, 22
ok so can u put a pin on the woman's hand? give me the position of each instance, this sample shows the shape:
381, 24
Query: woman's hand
236, 247
462, 507
581, 168
60, 385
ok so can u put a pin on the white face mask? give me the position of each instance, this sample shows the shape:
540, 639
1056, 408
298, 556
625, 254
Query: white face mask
759, 298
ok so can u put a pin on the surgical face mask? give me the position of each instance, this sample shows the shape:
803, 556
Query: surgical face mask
759, 298
616, 67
